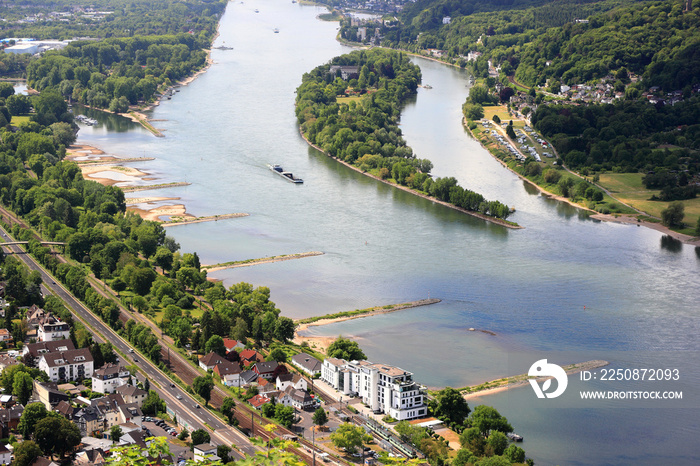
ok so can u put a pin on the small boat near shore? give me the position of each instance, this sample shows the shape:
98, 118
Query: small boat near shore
514, 437
286, 175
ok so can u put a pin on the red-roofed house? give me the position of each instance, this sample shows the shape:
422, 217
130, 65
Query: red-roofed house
232, 345
258, 400
251, 356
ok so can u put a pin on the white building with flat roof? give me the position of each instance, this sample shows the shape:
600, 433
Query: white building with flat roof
24, 47
382, 387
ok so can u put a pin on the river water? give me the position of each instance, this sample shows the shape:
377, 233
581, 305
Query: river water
565, 288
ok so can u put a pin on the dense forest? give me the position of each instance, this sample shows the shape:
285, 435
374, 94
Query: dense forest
67, 19
362, 129
115, 73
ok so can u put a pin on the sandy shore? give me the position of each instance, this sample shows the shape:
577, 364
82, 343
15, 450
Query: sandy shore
155, 214
522, 379
321, 343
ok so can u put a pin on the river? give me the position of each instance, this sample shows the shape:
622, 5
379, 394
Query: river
565, 288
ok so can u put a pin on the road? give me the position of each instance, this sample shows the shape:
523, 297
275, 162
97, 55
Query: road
184, 409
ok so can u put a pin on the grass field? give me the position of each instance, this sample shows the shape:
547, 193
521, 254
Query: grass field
17, 120
500, 110
347, 100
628, 188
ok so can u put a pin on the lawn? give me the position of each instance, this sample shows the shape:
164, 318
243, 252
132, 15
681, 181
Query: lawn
500, 110
628, 188
347, 100
17, 120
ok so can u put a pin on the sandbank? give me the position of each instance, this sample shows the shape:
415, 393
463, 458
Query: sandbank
322, 342
162, 211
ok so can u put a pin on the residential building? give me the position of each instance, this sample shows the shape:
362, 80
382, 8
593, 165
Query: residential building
290, 380
269, 369
62, 366
109, 377
37, 349
5, 336
91, 457
307, 364
5, 454
265, 386
131, 394
49, 394
345, 72
250, 356
258, 400
232, 345
207, 362
229, 373
89, 420
44, 461
382, 387
53, 331
9, 419
7, 361
205, 451
248, 377
300, 399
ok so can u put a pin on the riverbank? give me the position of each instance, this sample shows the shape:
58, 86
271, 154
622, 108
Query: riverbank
479, 215
627, 219
321, 343
507, 383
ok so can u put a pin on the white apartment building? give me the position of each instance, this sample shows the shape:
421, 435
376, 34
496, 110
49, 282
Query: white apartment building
53, 331
67, 365
108, 378
382, 387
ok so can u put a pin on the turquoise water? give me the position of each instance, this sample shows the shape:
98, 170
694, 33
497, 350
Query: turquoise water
565, 287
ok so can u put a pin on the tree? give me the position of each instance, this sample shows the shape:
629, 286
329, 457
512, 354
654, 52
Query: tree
473, 440
284, 415
278, 355
115, 433
498, 442
203, 386
342, 348
473, 111
515, 454
464, 457
222, 452
672, 216
320, 417
164, 258
227, 408
183, 434
56, 435
485, 418
200, 436
216, 345
22, 387
33, 413
349, 437
449, 404
284, 329
152, 405
25, 453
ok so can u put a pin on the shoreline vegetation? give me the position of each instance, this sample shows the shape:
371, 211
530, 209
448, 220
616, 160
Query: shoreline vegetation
627, 219
507, 383
261, 260
488, 218
349, 110
321, 343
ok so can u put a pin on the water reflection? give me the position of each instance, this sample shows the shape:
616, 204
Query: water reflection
109, 121
671, 244
530, 188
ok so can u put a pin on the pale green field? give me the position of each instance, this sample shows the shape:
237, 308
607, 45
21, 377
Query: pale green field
501, 111
347, 100
629, 189
17, 120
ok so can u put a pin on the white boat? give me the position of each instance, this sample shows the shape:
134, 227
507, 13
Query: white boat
286, 175
276, 30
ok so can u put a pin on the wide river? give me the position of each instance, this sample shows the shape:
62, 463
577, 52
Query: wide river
565, 288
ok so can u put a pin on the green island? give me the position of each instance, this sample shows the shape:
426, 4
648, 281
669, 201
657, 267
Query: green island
349, 109
610, 87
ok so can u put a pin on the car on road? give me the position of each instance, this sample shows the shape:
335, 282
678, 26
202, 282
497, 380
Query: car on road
179, 397
195, 406
131, 350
